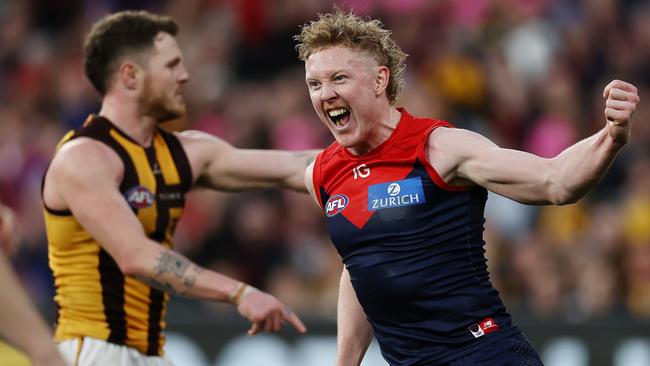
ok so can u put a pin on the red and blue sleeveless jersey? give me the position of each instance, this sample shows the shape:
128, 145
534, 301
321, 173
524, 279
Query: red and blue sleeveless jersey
413, 246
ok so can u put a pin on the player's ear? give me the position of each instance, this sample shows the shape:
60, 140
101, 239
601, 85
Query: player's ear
130, 74
382, 75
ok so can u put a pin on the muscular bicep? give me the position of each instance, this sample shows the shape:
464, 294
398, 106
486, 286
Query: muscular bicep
463, 157
85, 176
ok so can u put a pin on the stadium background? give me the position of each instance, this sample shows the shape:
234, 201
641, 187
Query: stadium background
528, 74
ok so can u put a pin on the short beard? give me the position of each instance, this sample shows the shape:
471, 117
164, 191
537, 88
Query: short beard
157, 110
155, 107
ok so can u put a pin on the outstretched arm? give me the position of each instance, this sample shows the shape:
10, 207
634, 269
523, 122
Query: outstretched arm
354, 334
93, 197
463, 158
221, 166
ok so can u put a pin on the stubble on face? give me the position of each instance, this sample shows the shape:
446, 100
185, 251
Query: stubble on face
160, 93
158, 105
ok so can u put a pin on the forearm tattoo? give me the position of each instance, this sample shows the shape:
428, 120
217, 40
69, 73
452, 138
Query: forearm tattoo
179, 267
170, 262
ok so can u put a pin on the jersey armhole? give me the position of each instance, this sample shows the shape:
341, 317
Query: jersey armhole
316, 177
433, 174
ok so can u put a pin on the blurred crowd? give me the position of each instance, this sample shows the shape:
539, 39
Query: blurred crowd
528, 74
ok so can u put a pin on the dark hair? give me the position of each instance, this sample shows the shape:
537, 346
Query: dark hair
116, 35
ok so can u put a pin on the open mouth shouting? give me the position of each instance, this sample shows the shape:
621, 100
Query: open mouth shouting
339, 116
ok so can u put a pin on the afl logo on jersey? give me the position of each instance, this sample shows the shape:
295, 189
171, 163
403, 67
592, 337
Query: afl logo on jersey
139, 197
336, 204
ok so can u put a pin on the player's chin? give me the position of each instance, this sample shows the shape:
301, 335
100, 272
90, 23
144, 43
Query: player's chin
346, 140
178, 109
181, 110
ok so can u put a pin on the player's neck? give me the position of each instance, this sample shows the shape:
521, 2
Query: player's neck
383, 126
126, 115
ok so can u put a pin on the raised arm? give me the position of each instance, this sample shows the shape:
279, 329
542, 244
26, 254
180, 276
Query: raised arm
354, 333
463, 158
93, 197
219, 165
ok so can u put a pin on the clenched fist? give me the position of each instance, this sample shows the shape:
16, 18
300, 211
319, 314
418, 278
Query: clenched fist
622, 99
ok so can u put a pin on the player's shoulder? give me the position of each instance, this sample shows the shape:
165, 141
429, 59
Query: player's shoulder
418, 122
85, 153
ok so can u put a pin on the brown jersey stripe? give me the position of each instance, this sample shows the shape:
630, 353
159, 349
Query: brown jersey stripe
155, 317
112, 281
99, 128
162, 217
156, 297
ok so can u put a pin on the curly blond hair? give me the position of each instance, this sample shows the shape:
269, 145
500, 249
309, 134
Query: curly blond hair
346, 29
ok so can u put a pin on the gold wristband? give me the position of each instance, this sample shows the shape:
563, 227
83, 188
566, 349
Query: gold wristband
236, 296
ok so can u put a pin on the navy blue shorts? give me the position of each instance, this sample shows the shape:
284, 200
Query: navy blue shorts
515, 350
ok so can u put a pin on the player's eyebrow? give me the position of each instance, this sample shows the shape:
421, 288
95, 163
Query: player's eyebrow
173, 62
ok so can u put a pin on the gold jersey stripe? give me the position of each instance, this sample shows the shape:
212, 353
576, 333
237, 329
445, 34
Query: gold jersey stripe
147, 215
164, 157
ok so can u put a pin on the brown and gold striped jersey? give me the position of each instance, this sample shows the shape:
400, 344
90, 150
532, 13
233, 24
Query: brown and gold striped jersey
94, 298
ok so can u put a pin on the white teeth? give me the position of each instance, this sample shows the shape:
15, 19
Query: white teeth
337, 112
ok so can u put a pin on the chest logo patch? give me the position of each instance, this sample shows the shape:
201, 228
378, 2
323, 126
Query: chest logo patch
406, 192
139, 197
336, 204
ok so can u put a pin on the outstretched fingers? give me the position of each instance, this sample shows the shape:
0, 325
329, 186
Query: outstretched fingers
292, 318
267, 314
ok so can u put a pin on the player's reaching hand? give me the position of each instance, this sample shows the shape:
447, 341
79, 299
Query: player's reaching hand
265, 312
622, 99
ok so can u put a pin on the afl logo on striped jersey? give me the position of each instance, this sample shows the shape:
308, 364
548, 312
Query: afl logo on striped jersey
336, 204
139, 197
